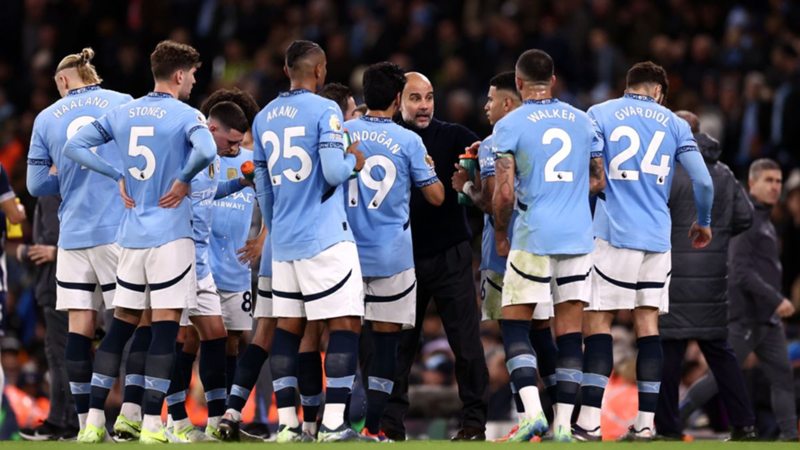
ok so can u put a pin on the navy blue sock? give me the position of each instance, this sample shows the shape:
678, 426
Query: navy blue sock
520, 407
134, 367
309, 381
79, 370
247, 371
176, 394
520, 360
381, 377
283, 363
158, 367
598, 361
212, 359
569, 367
649, 365
230, 371
107, 361
546, 357
341, 363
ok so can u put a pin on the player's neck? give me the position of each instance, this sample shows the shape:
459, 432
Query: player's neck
309, 85
389, 113
537, 93
167, 88
639, 92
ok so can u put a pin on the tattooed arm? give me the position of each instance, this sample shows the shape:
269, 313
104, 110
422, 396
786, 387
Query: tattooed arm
503, 200
597, 176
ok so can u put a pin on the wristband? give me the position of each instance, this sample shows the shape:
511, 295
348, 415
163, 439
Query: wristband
467, 186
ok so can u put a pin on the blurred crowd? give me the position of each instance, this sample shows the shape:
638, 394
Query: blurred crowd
735, 64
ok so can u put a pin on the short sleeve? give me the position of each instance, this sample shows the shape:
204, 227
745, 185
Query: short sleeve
685, 138
38, 154
330, 128
486, 159
504, 138
193, 120
597, 141
422, 172
5, 186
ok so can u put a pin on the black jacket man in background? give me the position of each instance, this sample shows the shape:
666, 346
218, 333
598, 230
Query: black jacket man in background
698, 293
443, 260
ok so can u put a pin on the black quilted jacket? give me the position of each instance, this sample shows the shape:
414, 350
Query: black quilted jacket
698, 293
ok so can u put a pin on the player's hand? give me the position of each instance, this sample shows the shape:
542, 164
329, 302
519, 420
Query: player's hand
175, 196
459, 178
129, 203
21, 210
785, 309
473, 149
701, 236
503, 245
41, 254
353, 150
244, 181
251, 251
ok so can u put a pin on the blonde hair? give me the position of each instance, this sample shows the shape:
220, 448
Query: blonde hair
82, 63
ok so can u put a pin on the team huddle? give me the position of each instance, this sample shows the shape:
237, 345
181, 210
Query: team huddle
157, 203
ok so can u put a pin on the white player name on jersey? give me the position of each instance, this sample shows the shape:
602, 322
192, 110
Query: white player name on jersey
381, 138
551, 114
80, 102
283, 111
647, 113
154, 111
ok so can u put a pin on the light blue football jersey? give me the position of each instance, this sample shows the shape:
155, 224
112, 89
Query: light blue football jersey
204, 188
153, 133
642, 140
552, 143
232, 216
378, 198
91, 210
307, 213
489, 258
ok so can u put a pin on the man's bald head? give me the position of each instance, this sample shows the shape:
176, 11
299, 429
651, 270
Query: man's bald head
694, 122
306, 60
417, 101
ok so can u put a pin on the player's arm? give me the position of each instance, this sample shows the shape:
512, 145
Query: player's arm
14, 212
78, 148
263, 179
40, 179
250, 253
337, 163
503, 200
423, 173
597, 175
228, 187
203, 152
693, 162
474, 190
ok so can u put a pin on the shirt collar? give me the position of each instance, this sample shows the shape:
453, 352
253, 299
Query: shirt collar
544, 101
644, 98
292, 92
93, 87
156, 94
376, 119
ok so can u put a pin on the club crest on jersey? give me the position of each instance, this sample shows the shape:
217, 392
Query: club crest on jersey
201, 119
213, 169
335, 123
428, 160
232, 173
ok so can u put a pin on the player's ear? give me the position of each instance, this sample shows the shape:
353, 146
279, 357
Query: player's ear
520, 83
177, 77
286, 71
553, 80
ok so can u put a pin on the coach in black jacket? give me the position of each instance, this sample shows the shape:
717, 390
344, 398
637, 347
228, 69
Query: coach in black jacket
757, 304
698, 292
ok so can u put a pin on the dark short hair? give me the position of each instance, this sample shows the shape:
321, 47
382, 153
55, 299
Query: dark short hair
382, 82
506, 81
761, 165
230, 115
299, 50
535, 66
647, 73
339, 93
170, 57
242, 99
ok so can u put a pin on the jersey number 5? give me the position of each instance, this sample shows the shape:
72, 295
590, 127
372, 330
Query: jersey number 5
135, 149
661, 171
289, 151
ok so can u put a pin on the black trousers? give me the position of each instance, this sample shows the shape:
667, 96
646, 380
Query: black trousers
446, 277
62, 406
725, 367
